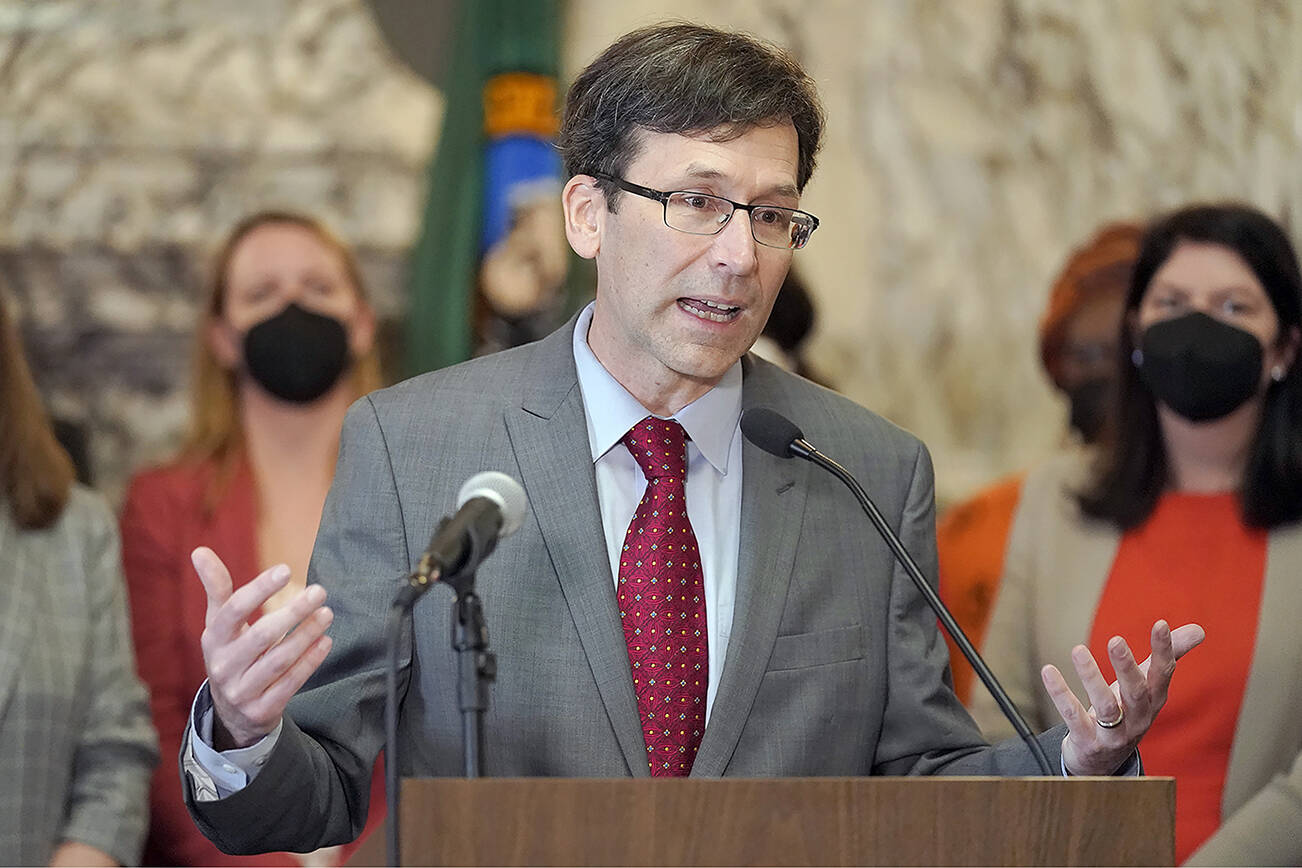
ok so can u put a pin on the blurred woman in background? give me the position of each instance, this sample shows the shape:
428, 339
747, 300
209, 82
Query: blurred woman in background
286, 344
76, 748
1191, 511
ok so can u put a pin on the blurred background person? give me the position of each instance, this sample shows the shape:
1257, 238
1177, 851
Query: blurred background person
521, 279
76, 747
785, 337
1078, 348
286, 343
1190, 512
74, 438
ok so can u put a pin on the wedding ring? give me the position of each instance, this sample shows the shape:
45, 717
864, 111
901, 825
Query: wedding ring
1109, 724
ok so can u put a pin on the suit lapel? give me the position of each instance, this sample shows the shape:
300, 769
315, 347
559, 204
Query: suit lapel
549, 435
772, 505
17, 603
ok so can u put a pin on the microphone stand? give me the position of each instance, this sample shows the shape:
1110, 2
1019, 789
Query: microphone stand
806, 450
476, 670
398, 612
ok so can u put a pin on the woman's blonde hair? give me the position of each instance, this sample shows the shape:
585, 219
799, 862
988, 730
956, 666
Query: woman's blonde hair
35, 473
215, 432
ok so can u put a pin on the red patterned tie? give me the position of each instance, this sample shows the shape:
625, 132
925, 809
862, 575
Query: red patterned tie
662, 602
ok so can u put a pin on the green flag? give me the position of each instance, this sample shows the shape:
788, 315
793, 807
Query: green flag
506, 52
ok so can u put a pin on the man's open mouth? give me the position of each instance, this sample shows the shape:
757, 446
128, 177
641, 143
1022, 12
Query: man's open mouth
713, 311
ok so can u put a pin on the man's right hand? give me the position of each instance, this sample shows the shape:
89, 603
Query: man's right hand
254, 668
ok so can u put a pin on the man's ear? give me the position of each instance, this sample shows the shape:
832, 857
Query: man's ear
585, 215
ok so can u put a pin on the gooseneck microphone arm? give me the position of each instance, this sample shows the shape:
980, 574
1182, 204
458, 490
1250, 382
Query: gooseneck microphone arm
778, 436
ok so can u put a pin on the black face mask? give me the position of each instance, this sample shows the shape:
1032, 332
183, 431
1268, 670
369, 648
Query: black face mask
1089, 407
297, 355
1200, 367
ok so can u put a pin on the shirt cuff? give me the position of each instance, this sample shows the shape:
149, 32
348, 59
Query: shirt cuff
1131, 768
215, 775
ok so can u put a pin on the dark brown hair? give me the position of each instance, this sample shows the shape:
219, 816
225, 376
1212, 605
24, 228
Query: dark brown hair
684, 78
35, 473
1133, 469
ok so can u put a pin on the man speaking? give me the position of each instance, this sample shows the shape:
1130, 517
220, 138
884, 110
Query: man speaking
678, 601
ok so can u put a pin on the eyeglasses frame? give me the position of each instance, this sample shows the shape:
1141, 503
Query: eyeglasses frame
663, 196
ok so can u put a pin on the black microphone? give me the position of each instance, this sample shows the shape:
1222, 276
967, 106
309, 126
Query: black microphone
778, 435
490, 506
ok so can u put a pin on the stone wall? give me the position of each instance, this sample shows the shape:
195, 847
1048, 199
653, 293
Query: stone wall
971, 144
134, 133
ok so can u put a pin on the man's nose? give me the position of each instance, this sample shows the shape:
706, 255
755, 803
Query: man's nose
735, 245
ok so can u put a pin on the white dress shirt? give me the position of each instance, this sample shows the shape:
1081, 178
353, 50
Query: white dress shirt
713, 481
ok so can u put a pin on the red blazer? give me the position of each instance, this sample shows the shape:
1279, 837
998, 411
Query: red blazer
163, 520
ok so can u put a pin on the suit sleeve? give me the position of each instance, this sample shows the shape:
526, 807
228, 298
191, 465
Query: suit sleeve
314, 790
1262, 832
926, 730
117, 748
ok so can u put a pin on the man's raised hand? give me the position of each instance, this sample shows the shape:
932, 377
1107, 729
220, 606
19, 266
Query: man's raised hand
1100, 739
255, 667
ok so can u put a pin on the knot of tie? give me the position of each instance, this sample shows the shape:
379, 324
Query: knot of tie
659, 446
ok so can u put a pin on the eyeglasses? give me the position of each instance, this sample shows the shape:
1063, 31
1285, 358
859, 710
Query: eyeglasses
703, 214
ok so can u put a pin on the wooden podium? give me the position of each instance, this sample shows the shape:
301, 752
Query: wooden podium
784, 821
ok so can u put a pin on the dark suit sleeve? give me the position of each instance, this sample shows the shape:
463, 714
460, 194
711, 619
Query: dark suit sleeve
315, 788
926, 730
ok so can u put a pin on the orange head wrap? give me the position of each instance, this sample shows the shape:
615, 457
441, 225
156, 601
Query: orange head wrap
1101, 265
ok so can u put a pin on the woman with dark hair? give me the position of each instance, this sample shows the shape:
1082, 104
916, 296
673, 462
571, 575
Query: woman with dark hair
76, 748
285, 345
1190, 511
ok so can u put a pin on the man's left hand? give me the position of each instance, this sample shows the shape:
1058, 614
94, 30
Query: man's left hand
1101, 739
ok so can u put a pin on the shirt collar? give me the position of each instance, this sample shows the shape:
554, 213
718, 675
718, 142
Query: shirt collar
711, 420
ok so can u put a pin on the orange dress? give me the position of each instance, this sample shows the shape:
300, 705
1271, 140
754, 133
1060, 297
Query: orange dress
971, 539
1193, 560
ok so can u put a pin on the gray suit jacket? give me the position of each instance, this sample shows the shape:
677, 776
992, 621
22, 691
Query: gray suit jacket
834, 666
76, 744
